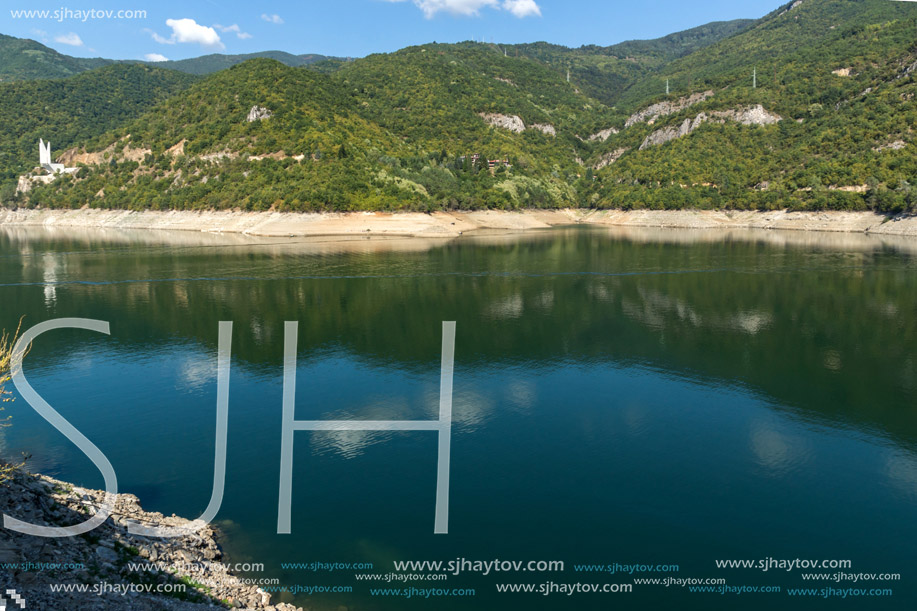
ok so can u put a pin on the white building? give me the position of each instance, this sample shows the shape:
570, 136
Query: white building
44, 160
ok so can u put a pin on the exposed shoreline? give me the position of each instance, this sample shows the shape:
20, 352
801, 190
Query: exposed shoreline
454, 224
107, 558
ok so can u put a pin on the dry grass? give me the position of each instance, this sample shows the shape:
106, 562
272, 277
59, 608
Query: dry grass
7, 344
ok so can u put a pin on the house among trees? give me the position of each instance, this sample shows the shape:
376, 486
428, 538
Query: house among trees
491, 163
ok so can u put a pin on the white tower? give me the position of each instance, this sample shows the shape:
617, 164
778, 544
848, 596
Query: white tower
44, 159
44, 153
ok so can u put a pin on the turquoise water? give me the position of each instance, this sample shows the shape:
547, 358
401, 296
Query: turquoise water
633, 397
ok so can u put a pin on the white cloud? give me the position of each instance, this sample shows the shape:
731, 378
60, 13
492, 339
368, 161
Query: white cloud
275, 18
69, 39
472, 8
190, 31
155, 57
234, 28
522, 8
41, 34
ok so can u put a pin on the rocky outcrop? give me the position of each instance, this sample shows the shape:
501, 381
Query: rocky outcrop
609, 158
751, 115
897, 145
258, 113
791, 7
544, 128
602, 135
662, 109
74, 156
111, 556
511, 122
177, 149
515, 124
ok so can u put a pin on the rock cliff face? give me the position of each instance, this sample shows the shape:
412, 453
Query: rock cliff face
751, 115
603, 135
515, 124
258, 113
511, 122
662, 109
610, 158
112, 557
544, 128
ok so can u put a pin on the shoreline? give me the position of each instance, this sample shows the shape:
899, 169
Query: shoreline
453, 224
109, 556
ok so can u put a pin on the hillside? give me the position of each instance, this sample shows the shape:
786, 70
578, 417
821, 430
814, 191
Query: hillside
839, 75
24, 59
76, 109
828, 126
606, 72
356, 139
208, 64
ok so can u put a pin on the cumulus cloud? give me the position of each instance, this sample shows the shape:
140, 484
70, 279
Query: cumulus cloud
69, 39
275, 18
522, 8
155, 57
190, 31
472, 8
234, 28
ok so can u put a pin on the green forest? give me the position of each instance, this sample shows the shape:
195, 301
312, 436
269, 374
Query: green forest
416, 129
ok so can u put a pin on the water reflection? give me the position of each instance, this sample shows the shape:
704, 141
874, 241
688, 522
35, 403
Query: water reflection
667, 391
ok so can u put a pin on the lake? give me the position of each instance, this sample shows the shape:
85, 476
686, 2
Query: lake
620, 396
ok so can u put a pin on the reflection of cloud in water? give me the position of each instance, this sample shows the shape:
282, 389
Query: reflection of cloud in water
511, 307
347, 444
195, 373
901, 469
469, 410
350, 444
753, 321
521, 394
777, 451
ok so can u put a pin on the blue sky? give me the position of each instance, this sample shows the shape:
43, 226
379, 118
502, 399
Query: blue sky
176, 29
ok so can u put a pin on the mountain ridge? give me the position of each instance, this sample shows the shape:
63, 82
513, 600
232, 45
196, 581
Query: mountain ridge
811, 107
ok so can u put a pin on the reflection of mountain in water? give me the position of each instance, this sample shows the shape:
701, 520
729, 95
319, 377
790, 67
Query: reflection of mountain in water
824, 321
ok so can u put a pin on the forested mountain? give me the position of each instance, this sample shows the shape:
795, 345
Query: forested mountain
839, 73
606, 72
208, 64
76, 110
809, 107
24, 59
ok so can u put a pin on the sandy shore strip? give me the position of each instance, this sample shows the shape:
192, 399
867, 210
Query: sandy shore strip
453, 224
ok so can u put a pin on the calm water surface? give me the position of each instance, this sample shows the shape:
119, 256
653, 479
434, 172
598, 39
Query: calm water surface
620, 396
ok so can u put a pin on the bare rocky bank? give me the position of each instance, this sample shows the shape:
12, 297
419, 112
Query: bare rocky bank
453, 224
115, 569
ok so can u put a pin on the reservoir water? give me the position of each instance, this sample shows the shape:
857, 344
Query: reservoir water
639, 397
